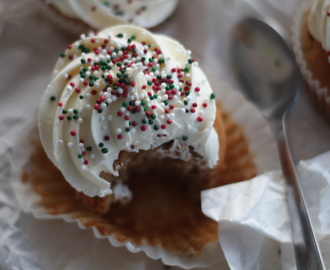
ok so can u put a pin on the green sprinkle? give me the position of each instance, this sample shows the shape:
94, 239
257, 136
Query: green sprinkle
129, 40
75, 117
64, 111
212, 96
101, 144
120, 35
62, 55
155, 96
104, 150
125, 104
153, 69
169, 77
187, 111
149, 83
162, 61
133, 37
143, 102
190, 61
119, 75
187, 93
80, 155
89, 148
165, 102
91, 83
184, 138
83, 61
186, 69
75, 111
144, 121
150, 122
100, 111
52, 98
185, 102
118, 64
153, 116
127, 129
156, 127
81, 97
69, 118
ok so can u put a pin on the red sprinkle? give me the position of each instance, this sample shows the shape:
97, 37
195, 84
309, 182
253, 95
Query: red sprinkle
61, 117
169, 121
197, 89
72, 84
143, 128
167, 111
204, 105
86, 162
200, 119
78, 90
163, 126
119, 113
120, 136
73, 133
127, 117
192, 110
153, 107
60, 104
194, 105
96, 107
134, 123
69, 46
106, 138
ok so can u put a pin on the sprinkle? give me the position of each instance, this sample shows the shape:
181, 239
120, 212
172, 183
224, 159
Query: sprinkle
163, 126
200, 119
52, 98
104, 150
212, 96
73, 133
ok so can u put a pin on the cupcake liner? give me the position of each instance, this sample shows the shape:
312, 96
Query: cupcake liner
251, 150
319, 94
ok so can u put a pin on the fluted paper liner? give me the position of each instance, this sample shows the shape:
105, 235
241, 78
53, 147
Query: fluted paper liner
320, 95
184, 236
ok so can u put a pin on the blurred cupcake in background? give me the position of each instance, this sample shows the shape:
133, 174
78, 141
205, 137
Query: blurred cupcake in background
81, 15
311, 41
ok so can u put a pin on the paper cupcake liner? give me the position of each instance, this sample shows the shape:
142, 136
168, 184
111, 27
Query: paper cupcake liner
252, 150
319, 94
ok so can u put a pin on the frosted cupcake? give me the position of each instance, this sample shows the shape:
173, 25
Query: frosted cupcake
99, 14
312, 47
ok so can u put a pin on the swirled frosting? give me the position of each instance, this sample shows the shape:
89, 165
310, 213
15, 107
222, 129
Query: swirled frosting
100, 14
124, 89
319, 22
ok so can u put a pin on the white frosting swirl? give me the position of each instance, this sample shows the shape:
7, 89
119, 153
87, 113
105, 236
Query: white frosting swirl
319, 23
100, 14
124, 89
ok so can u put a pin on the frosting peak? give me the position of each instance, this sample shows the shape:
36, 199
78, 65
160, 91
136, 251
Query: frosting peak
124, 89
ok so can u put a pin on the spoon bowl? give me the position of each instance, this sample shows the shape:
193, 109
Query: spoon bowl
269, 77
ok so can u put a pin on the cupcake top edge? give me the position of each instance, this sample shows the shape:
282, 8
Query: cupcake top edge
100, 14
124, 89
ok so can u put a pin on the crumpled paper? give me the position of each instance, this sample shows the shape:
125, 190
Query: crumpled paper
254, 223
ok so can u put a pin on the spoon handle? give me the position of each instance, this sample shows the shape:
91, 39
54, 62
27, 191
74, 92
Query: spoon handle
306, 248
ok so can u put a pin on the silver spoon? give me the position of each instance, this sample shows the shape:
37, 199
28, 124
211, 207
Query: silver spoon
270, 78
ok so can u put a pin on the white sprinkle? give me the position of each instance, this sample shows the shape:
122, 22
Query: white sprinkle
142, 95
195, 64
104, 127
66, 76
114, 98
109, 100
120, 90
161, 117
103, 105
201, 112
118, 130
127, 144
165, 97
189, 52
180, 103
88, 107
92, 156
133, 90
188, 75
81, 80
109, 117
70, 111
70, 144
183, 110
83, 167
137, 103
87, 95
122, 109
80, 120
81, 145
82, 36
172, 115
60, 141
133, 130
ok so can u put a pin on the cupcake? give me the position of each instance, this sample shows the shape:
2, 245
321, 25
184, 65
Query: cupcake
99, 14
312, 48
125, 98
130, 134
